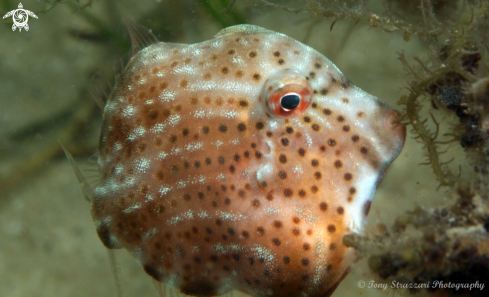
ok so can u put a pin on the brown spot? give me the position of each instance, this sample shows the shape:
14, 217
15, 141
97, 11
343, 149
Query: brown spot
348, 176
223, 128
327, 111
153, 114
353, 190
260, 231
338, 164
259, 125
363, 150
173, 64
331, 142
255, 203
317, 175
269, 197
312, 74
360, 114
256, 77
152, 89
289, 130
282, 174
276, 54
183, 83
241, 127
239, 74
306, 246
366, 207
142, 95
344, 86
281, 61
252, 54
346, 128
245, 234
315, 127
296, 52
224, 70
317, 65
296, 231
285, 141
218, 222
305, 261
306, 119
302, 193
286, 260
172, 138
302, 152
355, 138
340, 210
276, 241
331, 228
323, 206
324, 91
288, 192
277, 224
340, 119
207, 76
314, 189
332, 246
282, 159
243, 103
231, 52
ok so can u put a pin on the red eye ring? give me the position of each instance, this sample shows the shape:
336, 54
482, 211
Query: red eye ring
287, 83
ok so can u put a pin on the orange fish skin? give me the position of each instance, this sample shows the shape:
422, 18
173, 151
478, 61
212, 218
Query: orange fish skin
211, 186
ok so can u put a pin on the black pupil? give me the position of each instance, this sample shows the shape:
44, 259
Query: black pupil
290, 101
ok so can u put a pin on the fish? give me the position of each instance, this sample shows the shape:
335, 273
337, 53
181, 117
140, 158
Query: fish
239, 163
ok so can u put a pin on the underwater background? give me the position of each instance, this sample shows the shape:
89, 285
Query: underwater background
48, 243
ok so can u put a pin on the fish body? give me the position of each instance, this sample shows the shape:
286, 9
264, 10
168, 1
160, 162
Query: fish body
239, 163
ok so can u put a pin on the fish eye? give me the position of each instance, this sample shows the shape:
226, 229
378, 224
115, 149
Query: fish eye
286, 94
290, 101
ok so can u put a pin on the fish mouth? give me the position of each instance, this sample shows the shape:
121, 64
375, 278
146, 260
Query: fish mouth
394, 127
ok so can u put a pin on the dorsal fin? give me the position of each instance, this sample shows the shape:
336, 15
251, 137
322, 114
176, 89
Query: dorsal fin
244, 28
141, 37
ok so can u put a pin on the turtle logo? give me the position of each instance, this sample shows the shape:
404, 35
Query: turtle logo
20, 16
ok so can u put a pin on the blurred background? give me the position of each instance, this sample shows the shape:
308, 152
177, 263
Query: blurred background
48, 244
